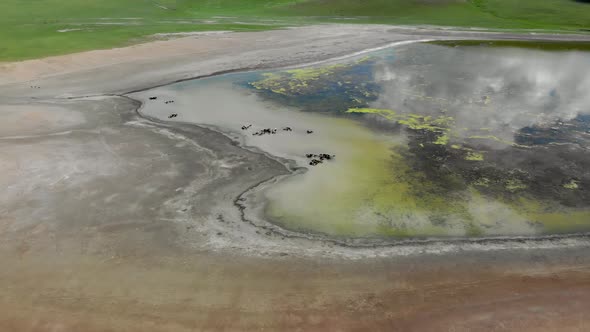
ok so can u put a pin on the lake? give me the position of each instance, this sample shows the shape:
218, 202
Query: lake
453, 139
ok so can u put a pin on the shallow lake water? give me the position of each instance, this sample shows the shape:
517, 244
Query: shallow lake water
429, 140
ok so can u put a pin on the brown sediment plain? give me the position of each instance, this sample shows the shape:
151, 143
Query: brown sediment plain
113, 222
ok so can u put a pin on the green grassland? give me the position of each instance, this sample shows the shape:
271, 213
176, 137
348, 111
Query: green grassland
526, 14
534, 45
30, 28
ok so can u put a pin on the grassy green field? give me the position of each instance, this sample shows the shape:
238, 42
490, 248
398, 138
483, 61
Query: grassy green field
37, 28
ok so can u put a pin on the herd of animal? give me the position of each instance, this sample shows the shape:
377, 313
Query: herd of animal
270, 131
171, 116
315, 159
265, 131
166, 102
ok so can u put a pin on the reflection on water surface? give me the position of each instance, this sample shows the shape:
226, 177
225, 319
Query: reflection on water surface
431, 140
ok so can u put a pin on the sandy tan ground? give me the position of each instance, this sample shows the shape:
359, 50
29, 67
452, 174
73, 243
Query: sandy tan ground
160, 62
110, 222
210, 292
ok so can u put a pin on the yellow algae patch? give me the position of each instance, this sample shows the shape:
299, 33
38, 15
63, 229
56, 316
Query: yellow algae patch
572, 185
474, 156
421, 122
439, 124
270, 82
442, 139
306, 74
482, 182
513, 185
295, 81
386, 113
412, 121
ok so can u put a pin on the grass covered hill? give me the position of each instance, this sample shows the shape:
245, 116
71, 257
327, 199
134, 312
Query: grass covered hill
37, 28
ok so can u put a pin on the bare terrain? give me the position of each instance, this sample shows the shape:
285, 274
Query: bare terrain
110, 221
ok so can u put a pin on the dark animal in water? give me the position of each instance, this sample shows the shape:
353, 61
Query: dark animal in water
265, 131
168, 101
310, 131
246, 127
319, 158
315, 162
173, 115
287, 129
153, 98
